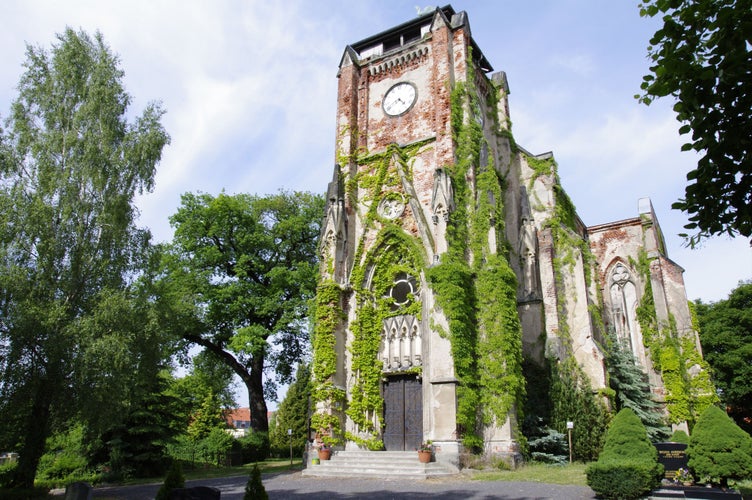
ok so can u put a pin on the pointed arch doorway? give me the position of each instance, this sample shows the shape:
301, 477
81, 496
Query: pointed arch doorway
403, 412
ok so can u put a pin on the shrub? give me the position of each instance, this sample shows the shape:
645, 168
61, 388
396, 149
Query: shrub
65, 458
679, 436
255, 447
215, 447
628, 465
623, 479
6, 473
254, 489
173, 480
65, 464
549, 447
719, 449
627, 437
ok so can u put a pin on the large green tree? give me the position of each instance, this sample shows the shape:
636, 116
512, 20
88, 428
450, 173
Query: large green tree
70, 166
243, 269
701, 56
726, 337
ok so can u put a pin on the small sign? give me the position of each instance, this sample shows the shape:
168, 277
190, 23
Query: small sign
673, 456
289, 432
570, 425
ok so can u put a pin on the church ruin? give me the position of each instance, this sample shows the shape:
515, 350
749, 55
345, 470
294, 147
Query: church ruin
451, 256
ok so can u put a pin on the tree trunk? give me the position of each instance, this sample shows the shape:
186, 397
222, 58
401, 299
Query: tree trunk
255, 385
37, 427
253, 380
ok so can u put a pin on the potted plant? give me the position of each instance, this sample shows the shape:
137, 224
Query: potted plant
325, 451
425, 452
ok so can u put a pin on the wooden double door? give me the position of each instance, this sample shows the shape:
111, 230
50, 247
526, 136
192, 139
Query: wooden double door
403, 413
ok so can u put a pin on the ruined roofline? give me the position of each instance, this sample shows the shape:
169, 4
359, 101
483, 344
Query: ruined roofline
447, 11
632, 221
452, 18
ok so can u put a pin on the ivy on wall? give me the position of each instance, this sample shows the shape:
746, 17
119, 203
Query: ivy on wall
393, 254
474, 283
572, 395
672, 355
327, 396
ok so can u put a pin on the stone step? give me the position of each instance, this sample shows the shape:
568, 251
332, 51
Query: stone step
402, 464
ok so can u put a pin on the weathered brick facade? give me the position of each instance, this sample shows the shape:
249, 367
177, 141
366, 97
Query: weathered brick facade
391, 178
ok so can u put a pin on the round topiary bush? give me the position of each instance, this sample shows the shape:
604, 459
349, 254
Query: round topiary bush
679, 436
719, 449
628, 465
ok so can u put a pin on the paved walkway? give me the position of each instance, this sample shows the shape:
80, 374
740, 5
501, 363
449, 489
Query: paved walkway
293, 486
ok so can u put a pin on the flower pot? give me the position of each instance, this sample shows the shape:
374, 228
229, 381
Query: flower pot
325, 454
424, 456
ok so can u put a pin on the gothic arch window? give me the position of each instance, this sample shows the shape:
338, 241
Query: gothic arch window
624, 306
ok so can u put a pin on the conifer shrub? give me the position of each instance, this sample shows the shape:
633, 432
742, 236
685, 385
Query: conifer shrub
628, 465
679, 436
719, 449
173, 480
254, 489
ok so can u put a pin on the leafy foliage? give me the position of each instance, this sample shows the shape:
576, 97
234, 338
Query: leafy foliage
627, 437
701, 57
719, 449
574, 400
328, 315
726, 337
70, 168
254, 447
628, 465
65, 457
137, 446
207, 418
243, 269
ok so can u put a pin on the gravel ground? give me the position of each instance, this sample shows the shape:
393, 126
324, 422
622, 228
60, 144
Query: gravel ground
294, 486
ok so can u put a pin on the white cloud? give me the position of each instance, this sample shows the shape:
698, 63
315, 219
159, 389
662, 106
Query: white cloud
250, 92
580, 64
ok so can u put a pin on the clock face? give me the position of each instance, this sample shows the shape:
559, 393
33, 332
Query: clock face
400, 98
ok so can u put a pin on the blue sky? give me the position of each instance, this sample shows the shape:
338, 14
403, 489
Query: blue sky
250, 93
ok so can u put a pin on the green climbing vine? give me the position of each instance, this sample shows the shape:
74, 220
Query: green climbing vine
474, 283
672, 355
701, 386
393, 253
327, 396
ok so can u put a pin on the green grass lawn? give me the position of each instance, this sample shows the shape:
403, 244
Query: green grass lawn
573, 474
267, 466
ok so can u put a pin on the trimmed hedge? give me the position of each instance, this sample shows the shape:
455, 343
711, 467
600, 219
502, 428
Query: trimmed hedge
628, 465
719, 449
623, 479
